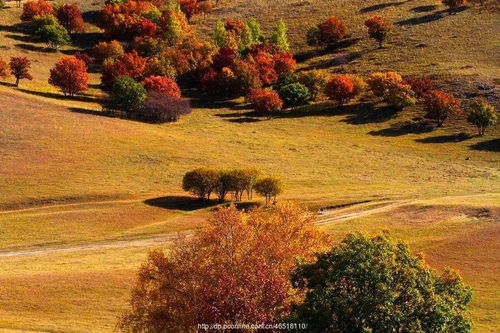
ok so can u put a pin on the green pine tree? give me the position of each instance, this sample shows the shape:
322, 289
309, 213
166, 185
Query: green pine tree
220, 34
279, 36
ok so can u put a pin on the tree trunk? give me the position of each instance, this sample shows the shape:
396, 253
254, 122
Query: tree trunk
17, 82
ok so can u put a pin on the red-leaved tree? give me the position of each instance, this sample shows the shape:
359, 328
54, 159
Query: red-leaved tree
162, 85
340, 88
70, 75
378, 29
331, 31
190, 8
440, 105
19, 67
130, 64
265, 101
70, 17
34, 8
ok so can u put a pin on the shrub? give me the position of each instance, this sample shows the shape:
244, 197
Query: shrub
284, 63
70, 75
359, 84
247, 76
294, 94
190, 8
4, 68
162, 85
220, 83
224, 58
201, 182
104, 51
482, 114
19, 67
160, 108
381, 82
341, 89
279, 36
421, 86
269, 187
235, 26
440, 105
315, 81
34, 8
70, 17
127, 95
400, 96
371, 282
123, 21
130, 64
327, 33
452, 4
84, 57
173, 26
378, 29
54, 36
285, 79
265, 101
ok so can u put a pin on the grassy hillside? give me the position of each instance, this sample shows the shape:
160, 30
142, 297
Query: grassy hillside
102, 190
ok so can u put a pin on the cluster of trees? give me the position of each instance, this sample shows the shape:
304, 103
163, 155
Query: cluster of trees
52, 24
203, 182
278, 266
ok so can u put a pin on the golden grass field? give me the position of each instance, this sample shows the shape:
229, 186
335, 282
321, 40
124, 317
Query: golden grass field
92, 193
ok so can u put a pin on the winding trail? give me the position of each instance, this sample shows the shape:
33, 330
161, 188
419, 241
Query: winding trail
324, 218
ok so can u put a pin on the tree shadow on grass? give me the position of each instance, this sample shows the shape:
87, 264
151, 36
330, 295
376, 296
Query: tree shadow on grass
403, 128
15, 28
92, 112
370, 113
23, 38
424, 9
340, 59
7, 84
430, 17
241, 117
81, 98
309, 54
183, 203
381, 6
34, 48
459, 137
489, 145
86, 40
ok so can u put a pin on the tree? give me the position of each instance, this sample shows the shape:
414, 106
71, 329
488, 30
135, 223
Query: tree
378, 29
233, 270
190, 8
453, 4
108, 51
84, 57
201, 182
341, 89
19, 67
375, 284
163, 85
70, 17
130, 64
54, 35
380, 83
420, 85
294, 94
327, 33
265, 101
315, 81
160, 108
269, 187
220, 34
482, 114
4, 68
34, 8
70, 75
400, 95
127, 95
279, 36
256, 30
440, 105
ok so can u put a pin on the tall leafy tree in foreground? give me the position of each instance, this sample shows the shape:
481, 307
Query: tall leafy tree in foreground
233, 270
375, 284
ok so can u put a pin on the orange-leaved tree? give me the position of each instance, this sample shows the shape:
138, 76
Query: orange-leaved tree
440, 105
233, 270
34, 8
70, 75
4, 68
